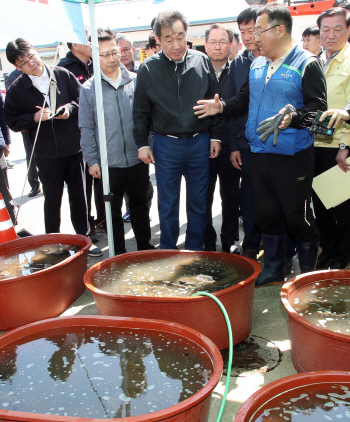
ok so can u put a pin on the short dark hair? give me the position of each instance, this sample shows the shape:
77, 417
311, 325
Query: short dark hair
237, 36
166, 19
334, 11
230, 33
277, 15
251, 13
152, 41
17, 48
69, 45
105, 34
311, 30
147, 46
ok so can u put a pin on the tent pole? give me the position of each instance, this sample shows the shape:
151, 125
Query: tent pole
101, 124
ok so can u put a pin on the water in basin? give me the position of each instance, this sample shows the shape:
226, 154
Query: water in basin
96, 372
176, 276
325, 304
32, 259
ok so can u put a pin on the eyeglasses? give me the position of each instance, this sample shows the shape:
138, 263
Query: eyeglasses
257, 34
115, 53
125, 50
215, 43
25, 64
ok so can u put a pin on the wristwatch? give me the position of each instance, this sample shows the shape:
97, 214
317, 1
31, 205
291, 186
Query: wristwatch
343, 146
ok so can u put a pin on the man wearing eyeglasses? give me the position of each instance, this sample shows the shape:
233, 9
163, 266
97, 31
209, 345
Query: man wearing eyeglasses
281, 172
126, 171
127, 51
218, 45
57, 149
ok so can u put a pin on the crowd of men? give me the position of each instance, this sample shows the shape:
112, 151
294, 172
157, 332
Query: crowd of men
201, 116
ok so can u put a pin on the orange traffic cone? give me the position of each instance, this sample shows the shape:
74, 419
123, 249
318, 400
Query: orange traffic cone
7, 231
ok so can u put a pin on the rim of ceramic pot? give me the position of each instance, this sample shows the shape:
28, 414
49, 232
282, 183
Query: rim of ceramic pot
83, 241
309, 278
120, 322
255, 266
258, 399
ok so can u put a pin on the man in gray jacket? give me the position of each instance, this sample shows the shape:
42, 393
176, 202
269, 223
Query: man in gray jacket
125, 169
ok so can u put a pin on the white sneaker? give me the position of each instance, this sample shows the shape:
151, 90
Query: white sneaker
94, 251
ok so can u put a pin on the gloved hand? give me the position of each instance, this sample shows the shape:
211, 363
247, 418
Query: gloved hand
272, 124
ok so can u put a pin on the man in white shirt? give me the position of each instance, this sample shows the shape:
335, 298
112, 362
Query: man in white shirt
57, 148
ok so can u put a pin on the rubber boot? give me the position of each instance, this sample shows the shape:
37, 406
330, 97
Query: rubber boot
307, 252
274, 256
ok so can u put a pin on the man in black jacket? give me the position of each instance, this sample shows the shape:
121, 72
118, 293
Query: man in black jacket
78, 61
57, 148
218, 45
240, 150
168, 86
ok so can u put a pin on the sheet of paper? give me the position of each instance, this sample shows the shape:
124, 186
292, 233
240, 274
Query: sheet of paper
333, 186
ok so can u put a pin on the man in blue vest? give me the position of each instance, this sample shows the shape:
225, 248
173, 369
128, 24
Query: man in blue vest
281, 172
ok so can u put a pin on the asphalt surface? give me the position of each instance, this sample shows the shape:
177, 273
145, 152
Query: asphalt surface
269, 334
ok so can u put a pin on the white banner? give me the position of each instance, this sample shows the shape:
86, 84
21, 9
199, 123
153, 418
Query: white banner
42, 22
134, 15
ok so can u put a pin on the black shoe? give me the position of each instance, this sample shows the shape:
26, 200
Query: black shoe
35, 191
226, 247
210, 247
93, 235
249, 253
323, 261
274, 256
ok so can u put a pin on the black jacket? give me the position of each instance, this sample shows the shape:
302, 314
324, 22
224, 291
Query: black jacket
77, 67
166, 93
56, 138
225, 93
239, 71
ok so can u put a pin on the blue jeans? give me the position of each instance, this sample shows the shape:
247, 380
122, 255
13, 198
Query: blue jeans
174, 158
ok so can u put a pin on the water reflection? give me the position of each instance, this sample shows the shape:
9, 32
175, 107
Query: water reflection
95, 372
325, 304
321, 402
31, 260
177, 276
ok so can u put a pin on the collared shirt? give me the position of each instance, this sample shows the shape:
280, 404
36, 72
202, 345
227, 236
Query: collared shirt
251, 56
273, 66
219, 71
176, 61
114, 84
42, 84
326, 60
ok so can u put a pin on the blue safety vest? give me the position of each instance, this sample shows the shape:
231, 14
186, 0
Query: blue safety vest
266, 100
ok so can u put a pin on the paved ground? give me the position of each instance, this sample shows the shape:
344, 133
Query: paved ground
269, 329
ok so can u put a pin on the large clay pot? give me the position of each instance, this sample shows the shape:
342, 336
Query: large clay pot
193, 409
200, 313
315, 348
45, 293
257, 402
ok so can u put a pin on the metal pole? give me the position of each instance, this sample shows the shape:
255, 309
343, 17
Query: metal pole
101, 124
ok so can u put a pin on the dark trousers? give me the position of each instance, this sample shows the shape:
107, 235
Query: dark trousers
252, 234
333, 224
33, 177
229, 178
99, 202
135, 179
174, 158
4, 188
53, 172
149, 196
282, 188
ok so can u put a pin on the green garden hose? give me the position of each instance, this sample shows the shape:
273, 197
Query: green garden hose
230, 350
